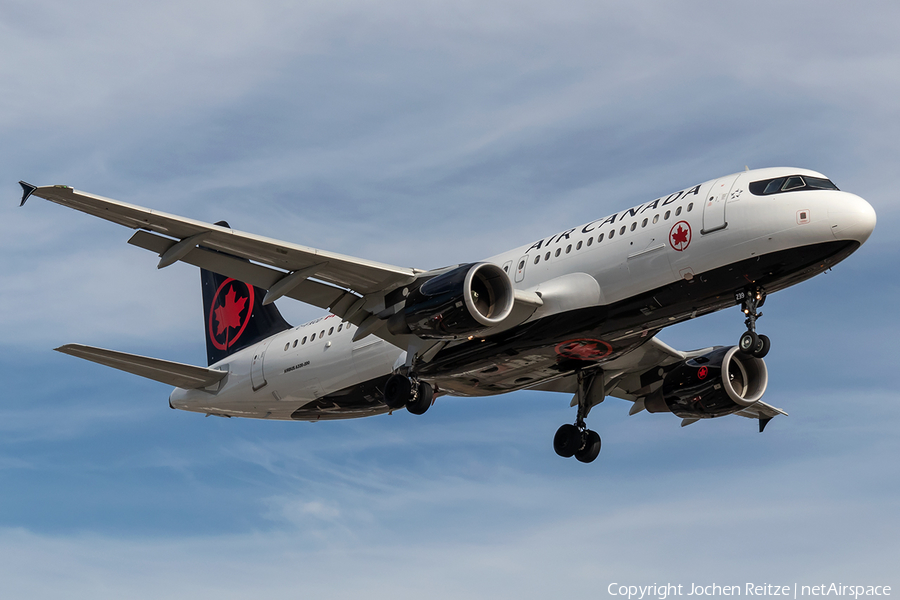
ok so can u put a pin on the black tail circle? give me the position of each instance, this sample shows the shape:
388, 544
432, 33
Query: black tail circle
234, 316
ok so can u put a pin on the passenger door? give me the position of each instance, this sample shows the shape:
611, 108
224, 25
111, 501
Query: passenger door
714, 207
257, 377
520, 268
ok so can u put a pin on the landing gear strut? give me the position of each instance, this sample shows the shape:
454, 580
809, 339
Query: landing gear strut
415, 395
752, 343
577, 440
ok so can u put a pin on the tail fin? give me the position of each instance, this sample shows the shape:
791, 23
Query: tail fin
234, 315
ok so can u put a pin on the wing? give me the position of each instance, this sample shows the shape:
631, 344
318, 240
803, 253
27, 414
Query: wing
351, 288
634, 377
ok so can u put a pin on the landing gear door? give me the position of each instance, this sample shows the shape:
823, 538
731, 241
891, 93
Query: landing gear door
520, 268
257, 377
714, 207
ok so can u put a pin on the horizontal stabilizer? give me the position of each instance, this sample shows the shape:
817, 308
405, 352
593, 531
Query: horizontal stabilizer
172, 373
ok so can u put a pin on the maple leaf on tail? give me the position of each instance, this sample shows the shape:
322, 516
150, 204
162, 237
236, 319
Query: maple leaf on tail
229, 314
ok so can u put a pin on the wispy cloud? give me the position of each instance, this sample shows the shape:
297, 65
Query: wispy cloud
424, 135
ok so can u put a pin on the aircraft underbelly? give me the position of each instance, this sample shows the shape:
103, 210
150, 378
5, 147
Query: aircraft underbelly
556, 345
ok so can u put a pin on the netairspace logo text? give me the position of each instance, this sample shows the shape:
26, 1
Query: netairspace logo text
639, 592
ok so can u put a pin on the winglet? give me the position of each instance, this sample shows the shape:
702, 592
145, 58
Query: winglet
27, 191
763, 422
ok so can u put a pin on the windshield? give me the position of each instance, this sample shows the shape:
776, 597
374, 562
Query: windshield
779, 185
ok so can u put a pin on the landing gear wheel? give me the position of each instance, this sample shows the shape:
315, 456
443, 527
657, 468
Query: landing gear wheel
762, 348
591, 447
567, 441
397, 391
422, 401
749, 342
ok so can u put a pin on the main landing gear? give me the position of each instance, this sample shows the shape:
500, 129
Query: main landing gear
577, 440
752, 343
415, 395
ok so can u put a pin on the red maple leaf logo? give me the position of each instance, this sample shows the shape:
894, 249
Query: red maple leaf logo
226, 310
229, 314
703, 373
680, 236
584, 349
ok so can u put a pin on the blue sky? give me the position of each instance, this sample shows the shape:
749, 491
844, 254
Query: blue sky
426, 134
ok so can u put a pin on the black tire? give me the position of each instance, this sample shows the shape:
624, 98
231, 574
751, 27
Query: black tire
591, 447
748, 342
397, 391
765, 344
423, 399
567, 441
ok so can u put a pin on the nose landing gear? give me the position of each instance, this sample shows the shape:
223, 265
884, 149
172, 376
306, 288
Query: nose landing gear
751, 343
577, 440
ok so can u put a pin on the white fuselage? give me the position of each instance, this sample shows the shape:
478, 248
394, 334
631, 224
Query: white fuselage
609, 260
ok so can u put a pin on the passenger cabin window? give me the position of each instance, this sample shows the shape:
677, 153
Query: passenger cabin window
792, 183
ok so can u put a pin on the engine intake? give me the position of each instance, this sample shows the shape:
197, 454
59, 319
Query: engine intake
719, 383
460, 302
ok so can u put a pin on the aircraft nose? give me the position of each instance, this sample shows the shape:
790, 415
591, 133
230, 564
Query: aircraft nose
852, 218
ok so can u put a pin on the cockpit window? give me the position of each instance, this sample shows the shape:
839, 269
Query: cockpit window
772, 187
817, 183
790, 184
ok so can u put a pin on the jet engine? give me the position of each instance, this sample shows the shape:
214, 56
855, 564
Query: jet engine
718, 383
460, 302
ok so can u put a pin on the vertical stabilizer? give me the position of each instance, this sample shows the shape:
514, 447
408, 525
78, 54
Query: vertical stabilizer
234, 316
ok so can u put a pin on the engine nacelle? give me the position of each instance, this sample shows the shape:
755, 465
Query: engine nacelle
460, 302
719, 383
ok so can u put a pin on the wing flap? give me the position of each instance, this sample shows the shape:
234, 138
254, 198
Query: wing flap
311, 292
362, 276
341, 302
172, 373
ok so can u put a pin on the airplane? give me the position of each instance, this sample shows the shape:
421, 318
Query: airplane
575, 312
